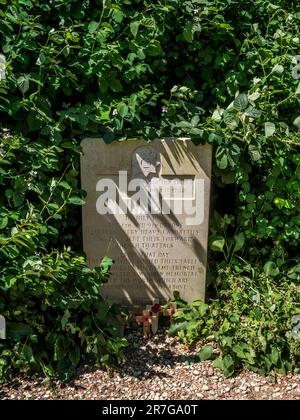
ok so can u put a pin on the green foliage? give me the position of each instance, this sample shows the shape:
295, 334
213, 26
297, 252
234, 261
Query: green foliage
50, 299
251, 322
221, 71
55, 316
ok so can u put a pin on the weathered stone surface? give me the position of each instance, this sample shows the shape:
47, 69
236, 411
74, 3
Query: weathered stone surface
2, 328
159, 245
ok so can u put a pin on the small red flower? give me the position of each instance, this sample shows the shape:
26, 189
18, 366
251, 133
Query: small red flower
155, 308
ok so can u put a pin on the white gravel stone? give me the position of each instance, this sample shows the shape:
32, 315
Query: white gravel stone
156, 369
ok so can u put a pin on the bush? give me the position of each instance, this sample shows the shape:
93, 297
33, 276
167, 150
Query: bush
56, 317
50, 299
254, 322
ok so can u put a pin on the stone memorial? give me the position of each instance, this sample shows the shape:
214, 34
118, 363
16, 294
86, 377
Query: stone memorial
147, 207
2, 328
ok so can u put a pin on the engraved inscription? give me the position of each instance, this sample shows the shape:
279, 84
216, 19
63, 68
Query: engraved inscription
154, 252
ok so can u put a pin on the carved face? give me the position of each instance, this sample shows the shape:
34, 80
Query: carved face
145, 160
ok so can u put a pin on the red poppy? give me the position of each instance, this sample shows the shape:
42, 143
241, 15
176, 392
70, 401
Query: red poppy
155, 308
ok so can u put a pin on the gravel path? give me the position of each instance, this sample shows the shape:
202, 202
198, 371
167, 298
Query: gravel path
159, 369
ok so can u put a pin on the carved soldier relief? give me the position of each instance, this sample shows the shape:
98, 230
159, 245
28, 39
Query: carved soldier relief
146, 163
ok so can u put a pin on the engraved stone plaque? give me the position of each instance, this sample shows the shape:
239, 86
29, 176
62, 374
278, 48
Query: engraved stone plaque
147, 207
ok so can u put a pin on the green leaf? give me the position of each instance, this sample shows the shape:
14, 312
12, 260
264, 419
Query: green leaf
297, 122
228, 366
105, 358
283, 203
218, 363
75, 200
92, 27
106, 263
109, 136
275, 355
201, 307
65, 318
65, 185
41, 59
122, 109
244, 352
225, 364
59, 350
12, 251
294, 272
231, 119
197, 132
241, 101
223, 161
217, 244
217, 114
234, 150
3, 222
195, 121
188, 33
253, 112
221, 157
270, 129
239, 240
215, 138
175, 328
205, 353
254, 152
18, 198
117, 15
105, 267
134, 27
271, 269
154, 48
23, 83
183, 124
74, 355
189, 30
278, 69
